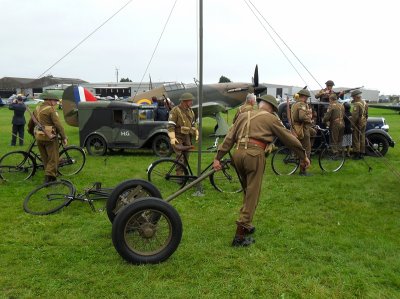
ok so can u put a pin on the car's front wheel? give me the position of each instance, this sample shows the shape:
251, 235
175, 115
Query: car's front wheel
376, 145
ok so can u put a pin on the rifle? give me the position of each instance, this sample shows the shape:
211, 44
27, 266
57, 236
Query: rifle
39, 125
347, 90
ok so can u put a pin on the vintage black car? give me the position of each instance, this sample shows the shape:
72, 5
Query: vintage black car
378, 139
118, 125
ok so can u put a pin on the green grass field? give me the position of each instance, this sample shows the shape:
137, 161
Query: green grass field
325, 236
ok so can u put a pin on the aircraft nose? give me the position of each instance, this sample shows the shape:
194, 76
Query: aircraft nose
260, 89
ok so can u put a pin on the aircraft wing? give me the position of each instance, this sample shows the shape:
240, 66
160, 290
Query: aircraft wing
211, 108
392, 107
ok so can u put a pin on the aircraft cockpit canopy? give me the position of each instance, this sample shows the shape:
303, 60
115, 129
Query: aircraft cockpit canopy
174, 86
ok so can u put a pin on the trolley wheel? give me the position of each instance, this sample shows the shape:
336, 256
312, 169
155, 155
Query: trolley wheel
96, 145
148, 231
71, 161
17, 166
329, 161
163, 174
227, 179
126, 193
49, 197
284, 161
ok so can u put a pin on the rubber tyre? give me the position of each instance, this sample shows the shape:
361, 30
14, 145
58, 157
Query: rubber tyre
161, 146
376, 145
40, 200
330, 162
118, 197
96, 145
162, 173
226, 180
147, 231
17, 166
71, 161
284, 161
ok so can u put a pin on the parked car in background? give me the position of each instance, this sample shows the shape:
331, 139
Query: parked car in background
378, 139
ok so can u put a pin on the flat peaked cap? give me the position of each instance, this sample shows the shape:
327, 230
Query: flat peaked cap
49, 96
269, 99
356, 92
186, 96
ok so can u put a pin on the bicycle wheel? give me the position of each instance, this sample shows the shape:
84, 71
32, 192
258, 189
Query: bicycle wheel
126, 193
163, 174
49, 197
17, 166
284, 161
72, 159
226, 180
148, 231
329, 161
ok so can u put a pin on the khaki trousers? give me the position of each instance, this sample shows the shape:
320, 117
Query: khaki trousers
336, 137
184, 139
305, 142
250, 164
359, 139
49, 155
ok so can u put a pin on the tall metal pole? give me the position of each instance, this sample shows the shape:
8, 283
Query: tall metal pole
200, 94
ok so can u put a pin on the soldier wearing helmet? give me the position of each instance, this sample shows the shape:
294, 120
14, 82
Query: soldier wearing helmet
182, 126
334, 119
359, 116
252, 133
48, 118
302, 122
247, 106
323, 94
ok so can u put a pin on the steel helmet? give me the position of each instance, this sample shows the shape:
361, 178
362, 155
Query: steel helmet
187, 96
304, 92
49, 96
329, 83
269, 99
356, 93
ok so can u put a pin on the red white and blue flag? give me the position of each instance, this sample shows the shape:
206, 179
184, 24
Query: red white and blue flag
83, 95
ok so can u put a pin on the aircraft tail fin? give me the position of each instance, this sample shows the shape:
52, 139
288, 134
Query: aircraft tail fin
72, 96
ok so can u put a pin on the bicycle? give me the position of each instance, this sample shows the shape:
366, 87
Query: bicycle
53, 196
285, 162
163, 173
22, 165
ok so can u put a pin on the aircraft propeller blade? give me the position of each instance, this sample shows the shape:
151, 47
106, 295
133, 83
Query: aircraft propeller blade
255, 82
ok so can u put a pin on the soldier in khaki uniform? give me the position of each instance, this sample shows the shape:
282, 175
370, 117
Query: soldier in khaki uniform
252, 133
247, 106
323, 94
334, 119
359, 117
46, 114
182, 126
302, 122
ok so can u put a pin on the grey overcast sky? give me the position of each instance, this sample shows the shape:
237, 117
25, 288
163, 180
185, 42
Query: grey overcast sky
353, 43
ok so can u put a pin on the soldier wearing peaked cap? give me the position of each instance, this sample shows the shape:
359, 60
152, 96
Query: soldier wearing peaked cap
359, 116
323, 94
252, 132
47, 116
182, 126
334, 119
302, 122
247, 106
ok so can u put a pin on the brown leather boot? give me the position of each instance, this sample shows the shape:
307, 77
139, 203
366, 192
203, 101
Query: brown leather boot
240, 239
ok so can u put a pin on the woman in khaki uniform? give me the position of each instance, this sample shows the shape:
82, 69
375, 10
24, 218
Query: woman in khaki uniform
252, 133
47, 115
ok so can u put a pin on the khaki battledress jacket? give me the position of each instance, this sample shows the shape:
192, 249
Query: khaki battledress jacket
334, 118
244, 108
302, 121
249, 157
